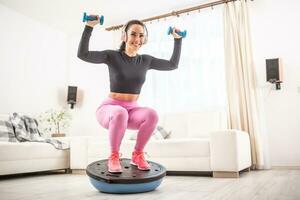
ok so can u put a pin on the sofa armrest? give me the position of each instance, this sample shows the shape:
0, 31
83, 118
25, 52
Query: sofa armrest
230, 151
78, 152
66, 140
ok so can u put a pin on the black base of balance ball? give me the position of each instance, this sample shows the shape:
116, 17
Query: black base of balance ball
131, 180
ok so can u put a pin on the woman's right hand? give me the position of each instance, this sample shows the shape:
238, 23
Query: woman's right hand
94, 22
175, 35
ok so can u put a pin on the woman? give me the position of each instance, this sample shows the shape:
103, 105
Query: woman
127, 72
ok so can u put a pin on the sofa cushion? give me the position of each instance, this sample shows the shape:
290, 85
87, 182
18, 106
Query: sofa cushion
155, 148
29, 150
194, 124
200, 124
176, 123
4, 117
184, 147
158, 134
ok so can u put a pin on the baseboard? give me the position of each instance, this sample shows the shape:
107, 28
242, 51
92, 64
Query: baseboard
38, 173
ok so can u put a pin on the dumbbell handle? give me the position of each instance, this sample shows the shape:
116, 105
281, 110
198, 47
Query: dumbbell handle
91, 18
181, 33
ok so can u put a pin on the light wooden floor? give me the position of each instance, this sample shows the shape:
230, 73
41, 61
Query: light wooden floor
254, 185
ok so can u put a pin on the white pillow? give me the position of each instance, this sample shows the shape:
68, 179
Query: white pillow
164, 133
158, 134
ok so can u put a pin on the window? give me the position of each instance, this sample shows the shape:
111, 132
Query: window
199, 81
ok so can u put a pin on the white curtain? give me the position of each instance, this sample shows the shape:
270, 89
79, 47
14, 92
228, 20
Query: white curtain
244, 100
199, 81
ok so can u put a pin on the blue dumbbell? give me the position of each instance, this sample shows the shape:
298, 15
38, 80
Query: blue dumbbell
181, 33
91, 18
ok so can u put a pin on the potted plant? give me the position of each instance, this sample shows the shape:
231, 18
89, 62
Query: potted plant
55, 121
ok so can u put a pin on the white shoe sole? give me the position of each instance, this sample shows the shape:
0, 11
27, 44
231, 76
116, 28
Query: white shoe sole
143, 169
114, 171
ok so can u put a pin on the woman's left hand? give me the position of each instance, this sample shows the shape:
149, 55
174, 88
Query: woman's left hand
175, 35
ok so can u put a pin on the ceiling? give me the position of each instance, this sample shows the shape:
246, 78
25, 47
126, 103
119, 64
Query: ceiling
66, 15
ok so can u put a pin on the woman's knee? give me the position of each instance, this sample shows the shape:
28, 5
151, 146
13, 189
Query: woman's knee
151, 116
108, 114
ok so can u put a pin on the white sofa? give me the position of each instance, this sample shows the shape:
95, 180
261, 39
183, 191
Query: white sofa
199, 142
25, 157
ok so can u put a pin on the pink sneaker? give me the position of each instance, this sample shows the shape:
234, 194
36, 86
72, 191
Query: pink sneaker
138, 160
113, 163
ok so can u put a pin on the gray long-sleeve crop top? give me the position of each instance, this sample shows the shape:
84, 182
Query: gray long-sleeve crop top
127, 74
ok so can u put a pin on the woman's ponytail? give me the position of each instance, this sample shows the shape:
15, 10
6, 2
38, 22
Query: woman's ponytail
122, 46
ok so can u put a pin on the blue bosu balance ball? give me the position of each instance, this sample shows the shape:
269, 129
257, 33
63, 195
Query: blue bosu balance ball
131, 180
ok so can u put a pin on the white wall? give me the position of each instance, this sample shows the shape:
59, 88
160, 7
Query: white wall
32, 65
275, 33
37, 63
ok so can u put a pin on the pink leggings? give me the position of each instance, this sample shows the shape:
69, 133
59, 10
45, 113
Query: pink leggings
117, 116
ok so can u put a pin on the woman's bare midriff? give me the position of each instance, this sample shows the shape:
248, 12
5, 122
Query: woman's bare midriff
123, 96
